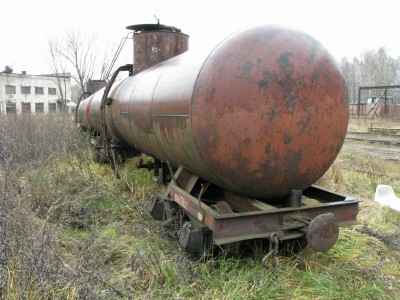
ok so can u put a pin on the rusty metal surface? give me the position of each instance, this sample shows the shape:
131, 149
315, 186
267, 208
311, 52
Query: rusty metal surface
270, 112
152, 27
323, 232
232, 227
154, 43
156, 109
80, 116
92, 86
222, 207
83, 115
263, 114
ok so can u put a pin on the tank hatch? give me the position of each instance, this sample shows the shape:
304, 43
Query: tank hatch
152, 27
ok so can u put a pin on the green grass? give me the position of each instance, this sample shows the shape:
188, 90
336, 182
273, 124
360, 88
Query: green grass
76, 232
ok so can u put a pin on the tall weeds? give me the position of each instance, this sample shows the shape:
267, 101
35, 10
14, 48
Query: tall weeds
33, 193
70, 230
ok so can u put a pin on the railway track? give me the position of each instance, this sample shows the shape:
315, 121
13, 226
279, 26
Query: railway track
382, 146
374, 138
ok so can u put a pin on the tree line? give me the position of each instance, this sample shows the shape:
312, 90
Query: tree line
371, 68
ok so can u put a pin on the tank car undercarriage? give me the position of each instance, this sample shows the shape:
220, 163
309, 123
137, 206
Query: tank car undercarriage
203, 217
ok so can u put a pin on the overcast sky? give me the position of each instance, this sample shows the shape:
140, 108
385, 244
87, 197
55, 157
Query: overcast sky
345, 28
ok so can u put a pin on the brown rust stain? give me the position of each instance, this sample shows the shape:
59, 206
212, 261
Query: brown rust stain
274, 112
267, 113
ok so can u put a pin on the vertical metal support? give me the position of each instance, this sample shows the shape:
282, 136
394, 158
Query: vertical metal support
165, 172
295, 200
386, 104
367, 88
156, 170
105, 101
359, 102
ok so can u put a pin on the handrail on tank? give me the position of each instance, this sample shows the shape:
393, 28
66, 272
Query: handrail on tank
104, 138
120, 46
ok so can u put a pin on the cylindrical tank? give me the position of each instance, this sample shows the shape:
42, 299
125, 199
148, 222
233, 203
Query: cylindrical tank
263, 114
154, 43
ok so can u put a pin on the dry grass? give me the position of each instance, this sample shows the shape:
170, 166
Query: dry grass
362, 124
70, 230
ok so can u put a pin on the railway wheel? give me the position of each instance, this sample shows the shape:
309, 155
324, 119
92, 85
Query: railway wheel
229, 249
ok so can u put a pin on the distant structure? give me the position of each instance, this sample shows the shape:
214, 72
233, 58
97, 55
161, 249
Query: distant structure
34, 94
380, 101
92, 86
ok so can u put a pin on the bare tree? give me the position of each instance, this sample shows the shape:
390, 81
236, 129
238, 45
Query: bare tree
349, 73
57, 65
80, 52
371, 68
387, 67
75, 92
106, 60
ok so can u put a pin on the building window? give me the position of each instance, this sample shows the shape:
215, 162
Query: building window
52, 91
11, 108
26, 107
39, 108
39, 90
25, 90
10, 89
52, 107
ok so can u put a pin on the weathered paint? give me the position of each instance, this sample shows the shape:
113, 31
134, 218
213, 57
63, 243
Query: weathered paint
92, 86
271, 112
232, 227
323, 232
154, 43
263, 114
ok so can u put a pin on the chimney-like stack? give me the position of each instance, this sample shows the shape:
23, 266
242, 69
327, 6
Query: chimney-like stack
154, 43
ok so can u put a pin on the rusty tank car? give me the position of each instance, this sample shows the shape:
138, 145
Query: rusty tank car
241, 133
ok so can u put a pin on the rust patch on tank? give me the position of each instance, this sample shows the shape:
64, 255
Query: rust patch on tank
285, 119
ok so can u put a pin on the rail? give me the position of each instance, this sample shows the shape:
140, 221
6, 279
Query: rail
380, 127
371, 137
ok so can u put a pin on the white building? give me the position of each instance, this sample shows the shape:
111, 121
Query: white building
35, 94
